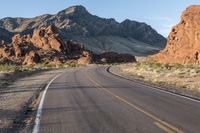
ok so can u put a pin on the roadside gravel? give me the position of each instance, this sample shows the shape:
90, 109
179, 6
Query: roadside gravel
17, 91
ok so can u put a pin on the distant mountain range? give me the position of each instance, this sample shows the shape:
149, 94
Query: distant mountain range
98, 34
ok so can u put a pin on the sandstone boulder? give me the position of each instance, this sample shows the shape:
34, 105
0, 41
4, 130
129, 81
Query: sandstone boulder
47, 39
86, 58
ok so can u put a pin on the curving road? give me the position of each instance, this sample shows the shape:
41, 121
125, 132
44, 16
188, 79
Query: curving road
91, 100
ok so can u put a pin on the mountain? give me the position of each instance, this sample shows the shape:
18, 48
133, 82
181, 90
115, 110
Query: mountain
183, 42
98, 34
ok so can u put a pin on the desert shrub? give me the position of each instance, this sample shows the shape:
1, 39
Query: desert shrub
150, 64
73, 65
177, 66
8, 68
167, 66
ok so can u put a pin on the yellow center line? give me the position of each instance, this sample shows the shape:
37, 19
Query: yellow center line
160, 123
163, 127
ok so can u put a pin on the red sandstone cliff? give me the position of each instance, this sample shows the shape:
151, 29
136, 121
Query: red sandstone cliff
183, 45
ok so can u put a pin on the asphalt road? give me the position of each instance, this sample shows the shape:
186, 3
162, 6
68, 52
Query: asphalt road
91, 100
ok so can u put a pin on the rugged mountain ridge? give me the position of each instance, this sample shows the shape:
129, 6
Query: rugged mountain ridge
183, 42
77, 23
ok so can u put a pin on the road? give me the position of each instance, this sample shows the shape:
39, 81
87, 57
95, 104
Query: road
91, 100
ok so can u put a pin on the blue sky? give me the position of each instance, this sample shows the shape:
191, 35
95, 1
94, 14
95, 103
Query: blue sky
160, 14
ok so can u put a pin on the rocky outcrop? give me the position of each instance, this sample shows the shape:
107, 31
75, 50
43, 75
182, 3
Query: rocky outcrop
77, 23
86, 58
31, 58
47, 46
44, 46
183, 45
47, 38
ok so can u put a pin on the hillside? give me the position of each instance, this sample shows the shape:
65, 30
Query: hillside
107, 34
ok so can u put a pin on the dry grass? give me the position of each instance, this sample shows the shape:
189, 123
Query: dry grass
8, 68
182, 76
19, 68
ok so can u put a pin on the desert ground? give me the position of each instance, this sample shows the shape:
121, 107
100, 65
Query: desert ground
18, 93
183, 79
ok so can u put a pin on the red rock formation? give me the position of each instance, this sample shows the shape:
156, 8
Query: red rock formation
183, 45
86, 58
47, 39
45, 46
31, 58
17, 41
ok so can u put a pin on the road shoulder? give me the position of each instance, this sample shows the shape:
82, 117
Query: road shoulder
18, 98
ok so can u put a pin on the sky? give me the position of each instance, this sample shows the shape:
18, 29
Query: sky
160, 14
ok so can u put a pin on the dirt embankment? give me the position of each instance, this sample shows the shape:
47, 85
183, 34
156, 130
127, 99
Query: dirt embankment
17, 91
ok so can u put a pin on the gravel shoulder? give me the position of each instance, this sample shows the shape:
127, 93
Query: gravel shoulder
187, 84
17, 91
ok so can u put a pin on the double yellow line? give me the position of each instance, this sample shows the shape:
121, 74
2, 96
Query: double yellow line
158, 122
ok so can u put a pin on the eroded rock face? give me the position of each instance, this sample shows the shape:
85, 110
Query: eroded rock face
47, 38
31, 58
86, 58
44, 46
183, 45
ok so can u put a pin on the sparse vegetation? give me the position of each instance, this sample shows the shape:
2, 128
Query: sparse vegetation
20, 68
9, 68
182, 76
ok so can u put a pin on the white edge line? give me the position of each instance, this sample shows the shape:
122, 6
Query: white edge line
39, 111
157, 88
